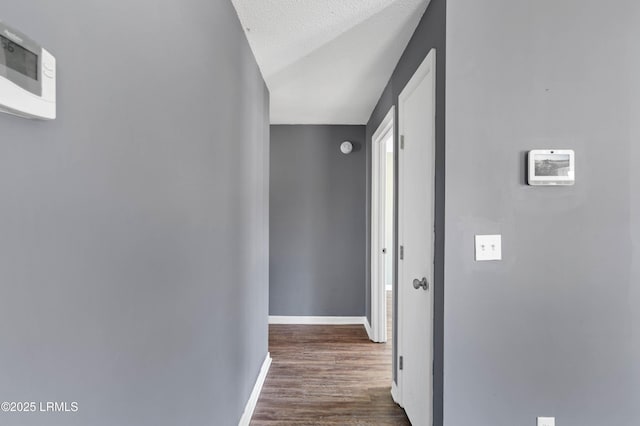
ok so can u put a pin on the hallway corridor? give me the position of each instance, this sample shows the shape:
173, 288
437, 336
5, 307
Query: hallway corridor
327, 375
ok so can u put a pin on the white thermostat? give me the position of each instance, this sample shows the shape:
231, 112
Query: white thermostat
27, 76
552, 167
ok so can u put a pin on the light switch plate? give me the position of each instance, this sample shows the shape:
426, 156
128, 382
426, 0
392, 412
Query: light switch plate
488, 247
546, 421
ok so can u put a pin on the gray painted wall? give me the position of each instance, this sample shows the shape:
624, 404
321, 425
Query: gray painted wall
553, 329
429, 34
134, 228
317, 227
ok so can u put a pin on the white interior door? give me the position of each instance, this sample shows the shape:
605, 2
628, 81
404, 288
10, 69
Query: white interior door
416, 240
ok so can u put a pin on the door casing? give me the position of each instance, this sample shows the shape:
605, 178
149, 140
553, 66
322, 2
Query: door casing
378, 173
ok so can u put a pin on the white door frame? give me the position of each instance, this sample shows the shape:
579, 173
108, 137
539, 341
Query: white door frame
378, 172
427, 66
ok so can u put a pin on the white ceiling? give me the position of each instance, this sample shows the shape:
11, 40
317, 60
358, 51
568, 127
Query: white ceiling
327, 61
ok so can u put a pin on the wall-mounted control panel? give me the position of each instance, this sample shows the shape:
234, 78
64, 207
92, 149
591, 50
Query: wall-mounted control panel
27, 76
551, 167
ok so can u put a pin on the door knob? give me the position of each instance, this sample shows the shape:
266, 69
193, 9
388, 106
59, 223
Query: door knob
421, 283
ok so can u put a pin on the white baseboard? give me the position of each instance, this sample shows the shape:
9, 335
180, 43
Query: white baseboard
255, 394
273, 319
368, 328
395, 395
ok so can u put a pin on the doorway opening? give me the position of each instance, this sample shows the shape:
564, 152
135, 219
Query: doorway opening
382, 228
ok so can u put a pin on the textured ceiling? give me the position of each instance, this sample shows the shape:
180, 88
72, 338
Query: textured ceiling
327, 61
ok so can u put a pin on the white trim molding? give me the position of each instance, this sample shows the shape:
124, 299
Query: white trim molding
367, 327
304, 320
255, 393
377, 256
395, 394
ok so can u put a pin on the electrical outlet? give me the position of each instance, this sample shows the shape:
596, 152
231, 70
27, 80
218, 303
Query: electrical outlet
546, 421
488, 247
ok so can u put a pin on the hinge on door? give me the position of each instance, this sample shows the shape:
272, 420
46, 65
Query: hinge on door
401, 141
401, 252
401, 363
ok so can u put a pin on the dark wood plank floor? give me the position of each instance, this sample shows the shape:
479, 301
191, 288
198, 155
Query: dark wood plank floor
327, 375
